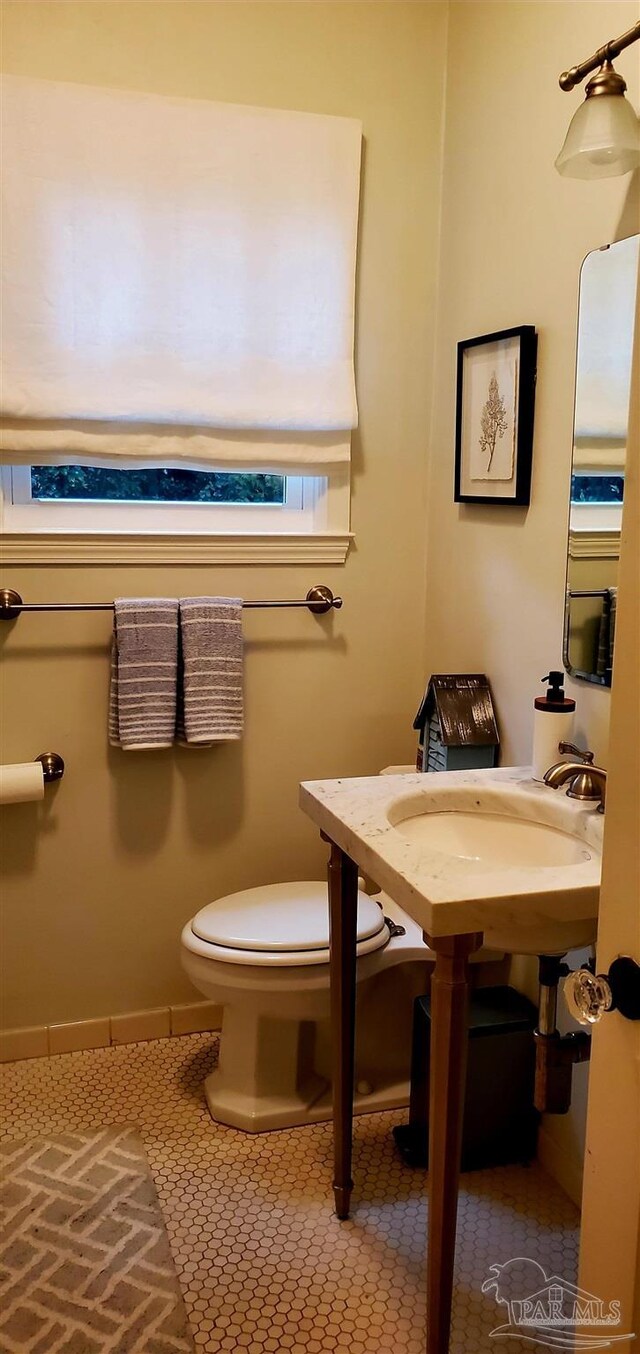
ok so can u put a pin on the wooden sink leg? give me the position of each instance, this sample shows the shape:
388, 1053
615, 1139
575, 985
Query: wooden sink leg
448, 1061
343, 905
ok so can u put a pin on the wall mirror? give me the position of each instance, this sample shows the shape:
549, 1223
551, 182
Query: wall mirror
608, 283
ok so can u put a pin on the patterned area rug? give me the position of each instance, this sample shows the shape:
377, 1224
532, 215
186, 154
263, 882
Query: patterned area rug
85, 1264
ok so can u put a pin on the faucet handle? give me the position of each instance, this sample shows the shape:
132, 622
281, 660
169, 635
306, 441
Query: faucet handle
586, 756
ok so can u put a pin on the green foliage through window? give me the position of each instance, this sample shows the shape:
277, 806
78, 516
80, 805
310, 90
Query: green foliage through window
171, 485
597, 488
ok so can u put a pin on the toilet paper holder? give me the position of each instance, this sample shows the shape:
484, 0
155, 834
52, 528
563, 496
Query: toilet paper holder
23, 782
52, 766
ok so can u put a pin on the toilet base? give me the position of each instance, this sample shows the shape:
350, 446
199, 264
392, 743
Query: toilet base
309, 1104
275, 1059
275, 1072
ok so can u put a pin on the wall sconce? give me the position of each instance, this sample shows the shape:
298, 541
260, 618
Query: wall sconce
604, 134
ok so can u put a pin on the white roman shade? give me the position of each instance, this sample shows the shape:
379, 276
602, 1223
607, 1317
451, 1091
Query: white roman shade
178, 280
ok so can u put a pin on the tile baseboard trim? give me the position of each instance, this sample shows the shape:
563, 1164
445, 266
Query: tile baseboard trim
562, 1166
163, 1022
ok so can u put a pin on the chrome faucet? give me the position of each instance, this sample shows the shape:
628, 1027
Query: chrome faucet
586, 781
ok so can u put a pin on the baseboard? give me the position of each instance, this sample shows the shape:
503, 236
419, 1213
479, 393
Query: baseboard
163, 1022
562, 1166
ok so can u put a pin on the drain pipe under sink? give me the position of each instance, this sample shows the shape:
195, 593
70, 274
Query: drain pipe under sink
555, 1053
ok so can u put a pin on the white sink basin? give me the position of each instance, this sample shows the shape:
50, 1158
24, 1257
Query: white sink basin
520, 837
488, 851
493, 840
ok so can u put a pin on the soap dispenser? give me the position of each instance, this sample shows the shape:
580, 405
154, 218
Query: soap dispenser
552, 724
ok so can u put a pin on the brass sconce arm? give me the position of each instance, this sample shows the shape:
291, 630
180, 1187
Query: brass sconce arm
569, 79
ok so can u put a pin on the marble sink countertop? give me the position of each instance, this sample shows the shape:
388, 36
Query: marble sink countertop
448, 895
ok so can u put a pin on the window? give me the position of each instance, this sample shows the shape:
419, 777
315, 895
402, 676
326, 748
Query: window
69, 512
596, 514
166, 307
169, 484
167, 499
597, 488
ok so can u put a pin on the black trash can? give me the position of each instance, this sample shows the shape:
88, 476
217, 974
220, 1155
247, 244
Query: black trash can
500, 1122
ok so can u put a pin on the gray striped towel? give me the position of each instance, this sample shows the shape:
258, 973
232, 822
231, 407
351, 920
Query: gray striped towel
211, 696
144, 673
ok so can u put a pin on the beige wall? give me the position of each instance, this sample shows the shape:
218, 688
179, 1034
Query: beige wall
513, 238
514, 235
99, 881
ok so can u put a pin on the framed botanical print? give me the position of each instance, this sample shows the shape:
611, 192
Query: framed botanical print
494, 417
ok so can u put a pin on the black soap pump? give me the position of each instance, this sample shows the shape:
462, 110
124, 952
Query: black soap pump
552, 724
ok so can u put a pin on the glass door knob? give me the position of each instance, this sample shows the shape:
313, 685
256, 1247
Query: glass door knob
588, 996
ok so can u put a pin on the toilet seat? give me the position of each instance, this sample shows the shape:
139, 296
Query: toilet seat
282, 925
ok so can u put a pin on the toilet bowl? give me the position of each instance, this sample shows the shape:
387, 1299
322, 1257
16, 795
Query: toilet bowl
263, 954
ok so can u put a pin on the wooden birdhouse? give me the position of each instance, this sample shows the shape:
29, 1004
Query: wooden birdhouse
456, 724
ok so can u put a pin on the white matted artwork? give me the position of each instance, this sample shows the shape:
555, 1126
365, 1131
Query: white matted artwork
494, 425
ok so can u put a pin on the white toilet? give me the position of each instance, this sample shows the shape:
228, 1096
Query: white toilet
263, 954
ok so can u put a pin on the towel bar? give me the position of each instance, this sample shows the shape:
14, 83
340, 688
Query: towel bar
319, 599
588, 592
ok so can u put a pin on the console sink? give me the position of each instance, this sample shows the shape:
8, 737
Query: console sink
489, 851
470, 856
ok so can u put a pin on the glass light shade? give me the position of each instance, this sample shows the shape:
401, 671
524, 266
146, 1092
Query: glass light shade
603, 139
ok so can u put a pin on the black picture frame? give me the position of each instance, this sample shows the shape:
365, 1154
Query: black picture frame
480, 428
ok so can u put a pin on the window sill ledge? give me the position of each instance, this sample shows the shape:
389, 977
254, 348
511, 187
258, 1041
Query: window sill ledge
599, 543
132, 547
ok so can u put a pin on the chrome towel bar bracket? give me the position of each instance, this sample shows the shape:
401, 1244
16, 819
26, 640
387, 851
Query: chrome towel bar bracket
318, 600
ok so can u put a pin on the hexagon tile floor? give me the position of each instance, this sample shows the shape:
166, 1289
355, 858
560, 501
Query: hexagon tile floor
264, 1264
